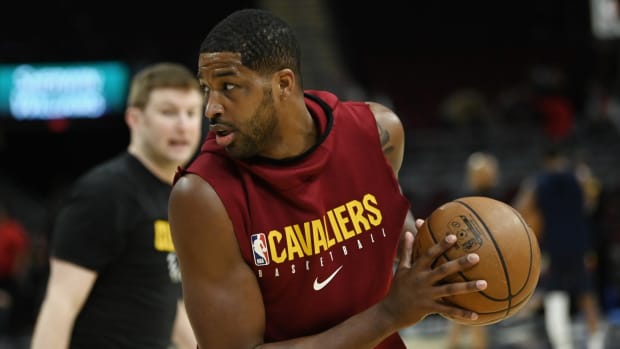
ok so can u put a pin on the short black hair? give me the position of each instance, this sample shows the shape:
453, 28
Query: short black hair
266, 42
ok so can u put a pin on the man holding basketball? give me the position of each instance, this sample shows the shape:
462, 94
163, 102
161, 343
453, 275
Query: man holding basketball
314, 180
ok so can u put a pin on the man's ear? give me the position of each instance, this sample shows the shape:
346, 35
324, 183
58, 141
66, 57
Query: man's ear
132, 116
286, 83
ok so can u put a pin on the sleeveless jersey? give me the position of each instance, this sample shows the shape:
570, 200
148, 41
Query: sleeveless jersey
320, 230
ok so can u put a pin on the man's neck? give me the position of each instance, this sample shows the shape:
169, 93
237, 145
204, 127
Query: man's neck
164, 173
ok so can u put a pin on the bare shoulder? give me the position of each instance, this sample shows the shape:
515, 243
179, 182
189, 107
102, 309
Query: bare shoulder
391, 133
201, 228
216, 279
384, 115
194, 208
191, 188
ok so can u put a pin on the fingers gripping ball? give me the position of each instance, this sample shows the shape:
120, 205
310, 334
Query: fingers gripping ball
508, 250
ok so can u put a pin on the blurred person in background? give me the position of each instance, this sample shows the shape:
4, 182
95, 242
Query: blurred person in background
482, 175
552, 103
558, 201
15, 246
114, 277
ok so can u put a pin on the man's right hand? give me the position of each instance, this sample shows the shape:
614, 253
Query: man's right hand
416, 291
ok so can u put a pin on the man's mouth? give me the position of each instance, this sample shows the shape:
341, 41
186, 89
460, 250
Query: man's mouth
224, 135
220, 130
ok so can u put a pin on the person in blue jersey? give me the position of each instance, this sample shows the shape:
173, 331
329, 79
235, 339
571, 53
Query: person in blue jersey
556, 198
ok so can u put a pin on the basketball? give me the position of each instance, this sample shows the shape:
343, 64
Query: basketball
508, 250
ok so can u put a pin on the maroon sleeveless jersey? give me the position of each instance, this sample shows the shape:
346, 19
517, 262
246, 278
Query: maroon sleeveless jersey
319, 231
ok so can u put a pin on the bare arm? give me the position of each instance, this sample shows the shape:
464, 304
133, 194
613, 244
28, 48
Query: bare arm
392, 137
67, 289
221, 294
525, 203
182, 334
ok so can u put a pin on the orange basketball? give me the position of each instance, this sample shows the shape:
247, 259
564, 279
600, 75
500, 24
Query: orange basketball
508, 250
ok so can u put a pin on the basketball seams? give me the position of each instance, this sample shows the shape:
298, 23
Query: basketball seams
509, 297
507, 311
500, 255
531, 243
498, 251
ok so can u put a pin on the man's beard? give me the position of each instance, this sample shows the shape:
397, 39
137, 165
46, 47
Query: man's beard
258, 133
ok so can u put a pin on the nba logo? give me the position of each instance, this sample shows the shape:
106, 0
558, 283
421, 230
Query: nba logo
259, 249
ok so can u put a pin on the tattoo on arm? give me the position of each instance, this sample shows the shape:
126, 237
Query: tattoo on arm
384, 136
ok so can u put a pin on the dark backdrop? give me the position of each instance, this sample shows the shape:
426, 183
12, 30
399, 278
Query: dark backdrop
416, 52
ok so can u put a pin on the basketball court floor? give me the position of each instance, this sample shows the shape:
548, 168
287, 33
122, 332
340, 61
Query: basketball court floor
519, 332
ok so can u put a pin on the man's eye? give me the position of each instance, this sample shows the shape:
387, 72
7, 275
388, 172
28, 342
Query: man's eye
228, 87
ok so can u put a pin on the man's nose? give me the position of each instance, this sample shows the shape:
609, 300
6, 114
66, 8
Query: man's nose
213, 108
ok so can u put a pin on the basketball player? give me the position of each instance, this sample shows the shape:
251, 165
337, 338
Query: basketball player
556, 193
313, 178
114, 279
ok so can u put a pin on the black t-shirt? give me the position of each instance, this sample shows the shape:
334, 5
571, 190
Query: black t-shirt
115, 221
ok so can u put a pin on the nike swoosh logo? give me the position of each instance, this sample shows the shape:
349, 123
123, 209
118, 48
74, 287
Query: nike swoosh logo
320, 285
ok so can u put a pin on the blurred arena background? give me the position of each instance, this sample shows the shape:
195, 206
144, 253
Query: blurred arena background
507, 77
